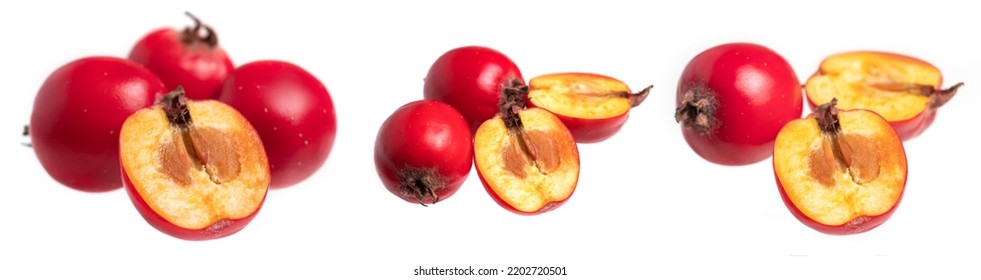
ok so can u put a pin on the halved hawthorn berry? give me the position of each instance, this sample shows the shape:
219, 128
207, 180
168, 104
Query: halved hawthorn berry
593, 107
904, 90
840, 172
526, 158
194, 169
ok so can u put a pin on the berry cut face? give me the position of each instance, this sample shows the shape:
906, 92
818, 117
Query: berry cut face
194, 169
526, 158
840, 172
531, 171
593, 107
906, 91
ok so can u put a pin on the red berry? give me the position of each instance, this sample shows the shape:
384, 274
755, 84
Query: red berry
78, 113
471, 79
190, 58
732, 101
293, 113
423, 152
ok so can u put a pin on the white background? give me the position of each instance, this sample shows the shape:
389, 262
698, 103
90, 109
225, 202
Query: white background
646, 206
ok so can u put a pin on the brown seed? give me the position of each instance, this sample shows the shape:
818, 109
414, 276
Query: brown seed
174, 160
542, 150
861, 155
215, 151
514, 159
822, 164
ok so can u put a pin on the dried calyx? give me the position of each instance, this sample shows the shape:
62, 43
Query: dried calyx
514, 98
420, 183
697, 110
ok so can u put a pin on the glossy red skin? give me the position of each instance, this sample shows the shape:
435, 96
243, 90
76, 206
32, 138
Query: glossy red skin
470, 79
758, 93
78, 113
291, 110
197, 67
590, 130
217, 230
424, 134
907, 129
857, 225
548, 206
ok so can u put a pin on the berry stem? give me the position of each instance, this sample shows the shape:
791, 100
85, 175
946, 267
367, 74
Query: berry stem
635, 98
27, 134
938, 97
192, 34
639, 97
